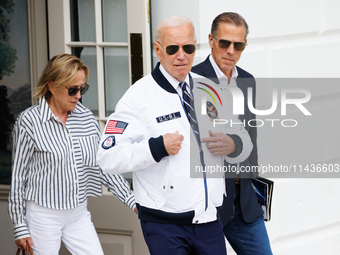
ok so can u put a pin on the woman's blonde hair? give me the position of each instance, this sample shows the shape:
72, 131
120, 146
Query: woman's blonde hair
61, 70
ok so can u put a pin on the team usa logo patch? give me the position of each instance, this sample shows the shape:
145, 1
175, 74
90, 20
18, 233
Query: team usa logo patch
212, 111
109, 142
115, 127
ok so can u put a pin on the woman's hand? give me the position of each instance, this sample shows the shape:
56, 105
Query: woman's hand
21, 243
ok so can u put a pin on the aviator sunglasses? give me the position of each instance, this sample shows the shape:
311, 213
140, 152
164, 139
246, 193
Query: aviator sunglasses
224, 44
72, 91
172, 49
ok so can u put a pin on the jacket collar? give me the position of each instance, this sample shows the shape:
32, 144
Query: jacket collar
163, 82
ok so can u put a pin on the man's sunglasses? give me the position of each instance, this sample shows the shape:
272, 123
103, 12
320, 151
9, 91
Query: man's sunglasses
224, 44
72, 91
172, 49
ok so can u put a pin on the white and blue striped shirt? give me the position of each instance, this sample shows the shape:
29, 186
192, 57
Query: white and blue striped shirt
54, 164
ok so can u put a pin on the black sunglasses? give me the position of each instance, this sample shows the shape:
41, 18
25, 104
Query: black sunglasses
172, 49
72, 91
224, 44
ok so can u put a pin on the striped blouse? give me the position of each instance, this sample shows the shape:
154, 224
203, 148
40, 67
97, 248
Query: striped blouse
54, 164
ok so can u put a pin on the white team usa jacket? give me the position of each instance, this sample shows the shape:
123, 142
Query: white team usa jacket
168, 188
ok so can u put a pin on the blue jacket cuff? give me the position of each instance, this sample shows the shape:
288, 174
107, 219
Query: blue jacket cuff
239, 146
157, 148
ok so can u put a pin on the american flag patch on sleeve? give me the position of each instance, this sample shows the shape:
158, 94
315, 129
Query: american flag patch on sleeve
115, 127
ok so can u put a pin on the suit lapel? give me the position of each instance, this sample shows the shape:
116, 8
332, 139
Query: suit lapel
208, 69
242, 84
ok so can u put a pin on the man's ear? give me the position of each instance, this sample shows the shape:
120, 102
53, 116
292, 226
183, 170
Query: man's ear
157, 48
211, 39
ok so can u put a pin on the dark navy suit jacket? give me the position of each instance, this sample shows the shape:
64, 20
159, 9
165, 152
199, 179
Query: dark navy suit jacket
250, 208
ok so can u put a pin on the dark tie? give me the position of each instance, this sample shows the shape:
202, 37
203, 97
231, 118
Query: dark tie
189, 107
186, 98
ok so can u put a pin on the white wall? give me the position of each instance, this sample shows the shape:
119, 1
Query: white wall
287, 39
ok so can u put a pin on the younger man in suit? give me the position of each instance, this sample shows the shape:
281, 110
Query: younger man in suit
241, 214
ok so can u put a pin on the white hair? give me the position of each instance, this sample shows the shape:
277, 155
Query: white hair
172, 21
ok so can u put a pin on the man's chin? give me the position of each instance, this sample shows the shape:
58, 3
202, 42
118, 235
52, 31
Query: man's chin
226, 68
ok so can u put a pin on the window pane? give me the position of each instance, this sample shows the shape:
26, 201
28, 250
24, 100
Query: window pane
89, 58
116, 75
82, 21
15, 83
114, 21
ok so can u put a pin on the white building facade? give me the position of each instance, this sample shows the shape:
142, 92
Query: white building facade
288, 39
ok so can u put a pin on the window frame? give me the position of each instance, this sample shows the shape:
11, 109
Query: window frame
138, 21
38, 51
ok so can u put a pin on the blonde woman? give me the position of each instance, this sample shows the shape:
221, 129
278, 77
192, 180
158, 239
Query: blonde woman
54, 165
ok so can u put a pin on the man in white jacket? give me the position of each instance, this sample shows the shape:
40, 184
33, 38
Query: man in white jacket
150, 133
